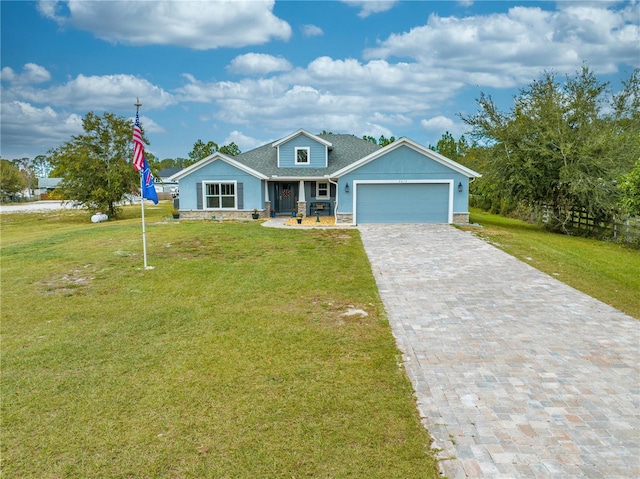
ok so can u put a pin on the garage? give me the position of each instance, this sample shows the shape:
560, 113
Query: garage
403, 201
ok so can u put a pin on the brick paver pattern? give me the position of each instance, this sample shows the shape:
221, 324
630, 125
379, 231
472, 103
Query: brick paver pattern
516, 374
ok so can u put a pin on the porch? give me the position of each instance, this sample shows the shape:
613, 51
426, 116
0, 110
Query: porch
301, 197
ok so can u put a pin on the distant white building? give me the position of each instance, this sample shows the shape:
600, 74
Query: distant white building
163, 182
46, 186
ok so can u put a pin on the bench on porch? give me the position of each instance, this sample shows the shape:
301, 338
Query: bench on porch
321, 207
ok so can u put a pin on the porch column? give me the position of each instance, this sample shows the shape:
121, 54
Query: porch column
267, 203
302, 200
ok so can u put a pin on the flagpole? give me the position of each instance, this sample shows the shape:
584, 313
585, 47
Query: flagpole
137, 104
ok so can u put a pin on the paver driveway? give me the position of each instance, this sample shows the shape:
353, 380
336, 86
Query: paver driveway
516, 374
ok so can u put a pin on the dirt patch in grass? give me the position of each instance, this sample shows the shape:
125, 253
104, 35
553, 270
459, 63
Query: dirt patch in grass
339, 313
70, 283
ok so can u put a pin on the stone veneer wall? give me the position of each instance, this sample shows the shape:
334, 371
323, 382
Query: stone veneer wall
347, 218
302, 208
219, 214
461, 218
344, 218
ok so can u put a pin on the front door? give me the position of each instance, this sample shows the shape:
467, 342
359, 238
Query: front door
286, 196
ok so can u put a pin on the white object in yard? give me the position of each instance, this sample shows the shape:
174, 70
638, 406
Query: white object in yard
355, 312
99, 217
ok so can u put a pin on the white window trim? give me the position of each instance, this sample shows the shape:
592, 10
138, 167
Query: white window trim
220, 182
328, 195
302, 148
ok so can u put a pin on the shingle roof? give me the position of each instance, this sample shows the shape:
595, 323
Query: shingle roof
167, 172
346, 150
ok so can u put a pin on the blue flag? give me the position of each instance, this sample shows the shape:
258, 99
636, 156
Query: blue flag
146, 182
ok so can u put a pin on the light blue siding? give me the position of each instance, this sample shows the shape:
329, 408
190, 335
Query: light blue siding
219, 170
402, 203
318, 153
404, 163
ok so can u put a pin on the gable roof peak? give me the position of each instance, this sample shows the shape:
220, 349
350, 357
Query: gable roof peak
404, 141
216, 156
304, 132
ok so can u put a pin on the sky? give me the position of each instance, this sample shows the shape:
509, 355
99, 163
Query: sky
254, 72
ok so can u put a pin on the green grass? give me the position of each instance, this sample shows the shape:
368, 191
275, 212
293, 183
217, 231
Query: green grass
230, 359
607, 271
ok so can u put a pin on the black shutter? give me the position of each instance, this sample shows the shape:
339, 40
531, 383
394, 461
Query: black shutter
313, 189
199, 196
240, 196
333, 190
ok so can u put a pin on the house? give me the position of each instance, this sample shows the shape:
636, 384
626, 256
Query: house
355, 180
164, 184
46, 186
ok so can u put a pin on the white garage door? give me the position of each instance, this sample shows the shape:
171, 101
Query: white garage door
406, 202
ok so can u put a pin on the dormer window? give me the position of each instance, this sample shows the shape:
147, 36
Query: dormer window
302, 156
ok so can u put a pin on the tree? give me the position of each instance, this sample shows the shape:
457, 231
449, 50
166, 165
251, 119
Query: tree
41, 166
26, 170
202, 150
630, 190
11, 180
167, 163
231, 149
96, 167
382, 141
449, 147
554, 150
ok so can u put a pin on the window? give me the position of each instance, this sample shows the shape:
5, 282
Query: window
220, 195
302, 156
322, 190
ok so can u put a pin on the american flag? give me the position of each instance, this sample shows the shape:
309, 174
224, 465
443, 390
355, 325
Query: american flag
138, 145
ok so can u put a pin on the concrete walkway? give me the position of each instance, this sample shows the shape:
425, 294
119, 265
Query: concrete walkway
280, 222
36, 206
516, 374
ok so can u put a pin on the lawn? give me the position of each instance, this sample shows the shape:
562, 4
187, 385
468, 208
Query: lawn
230, 359
607, 271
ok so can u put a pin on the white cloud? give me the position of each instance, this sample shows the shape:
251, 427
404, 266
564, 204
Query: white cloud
379, 95
263, 89
198, 25
405, 86
337, 95
49, 9
148, 125
244, 142
438, 125
258, 64
510, 49
107, 92
375, 130
28, 128
312, 31
367, 7
31, 73
281, 104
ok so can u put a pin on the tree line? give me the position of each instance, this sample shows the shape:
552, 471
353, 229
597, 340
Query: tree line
95, 166
564, 146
